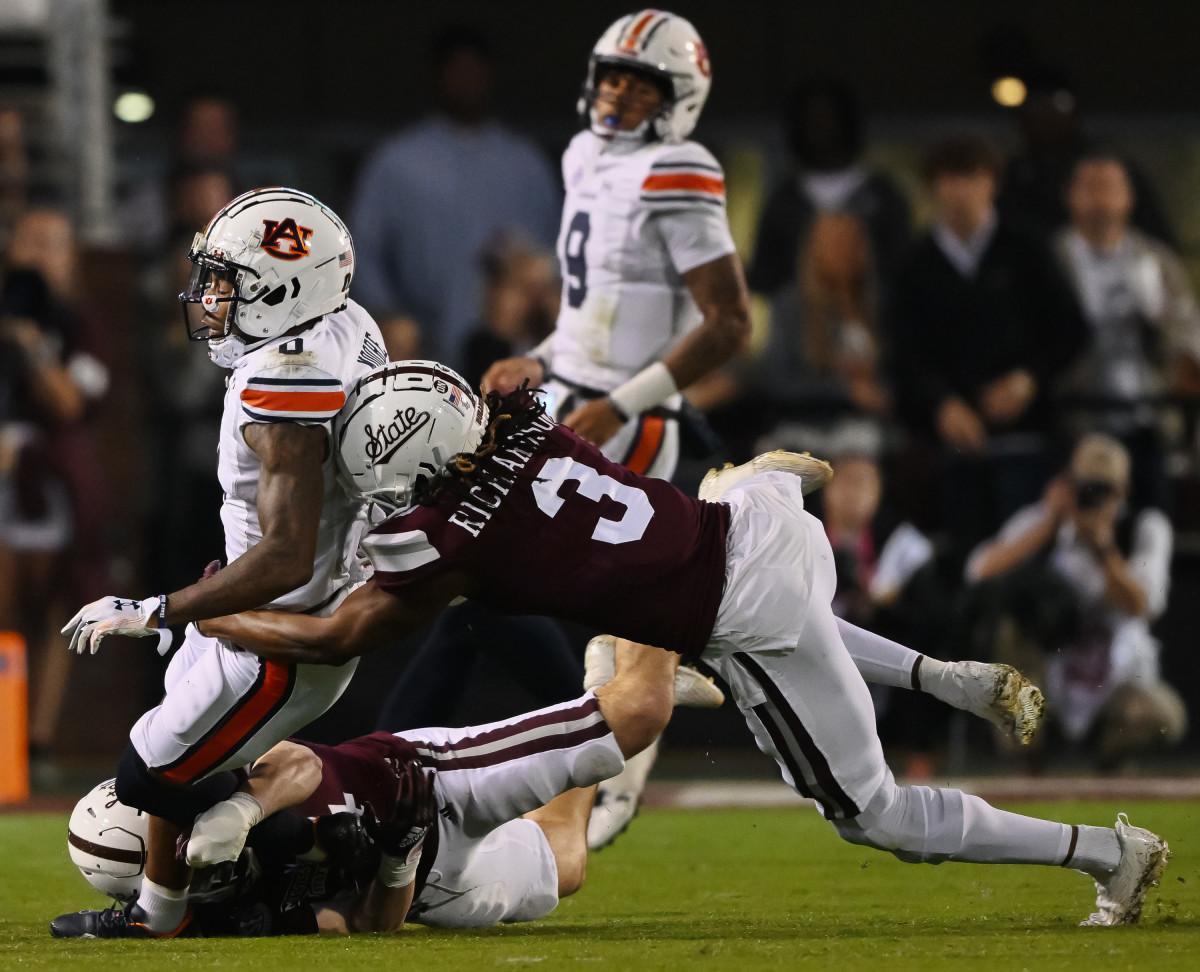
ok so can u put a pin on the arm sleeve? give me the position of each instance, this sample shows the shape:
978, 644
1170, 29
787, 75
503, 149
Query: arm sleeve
1150, 559
302, 394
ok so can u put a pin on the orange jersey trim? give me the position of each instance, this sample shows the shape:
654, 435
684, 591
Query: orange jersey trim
233, 733
276, 401
688, 181
653, 428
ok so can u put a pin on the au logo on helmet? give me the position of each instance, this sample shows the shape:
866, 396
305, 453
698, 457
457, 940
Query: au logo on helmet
279, 234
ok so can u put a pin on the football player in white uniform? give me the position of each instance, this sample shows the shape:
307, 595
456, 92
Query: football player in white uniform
654, 297
270, 284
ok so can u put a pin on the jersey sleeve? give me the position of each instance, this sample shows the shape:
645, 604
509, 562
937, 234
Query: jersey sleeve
400, 556
685, 193
296, 393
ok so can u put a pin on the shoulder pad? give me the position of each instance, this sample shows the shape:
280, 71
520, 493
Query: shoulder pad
684, 175
292, 393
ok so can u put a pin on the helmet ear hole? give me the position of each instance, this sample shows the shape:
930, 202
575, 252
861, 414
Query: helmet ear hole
275, 297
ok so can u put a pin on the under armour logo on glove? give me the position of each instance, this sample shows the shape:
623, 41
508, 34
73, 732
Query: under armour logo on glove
115, 616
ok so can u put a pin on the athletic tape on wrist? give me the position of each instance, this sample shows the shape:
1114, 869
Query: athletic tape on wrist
397, 872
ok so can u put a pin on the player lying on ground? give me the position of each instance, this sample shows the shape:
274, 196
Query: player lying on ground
479, 825
495, 501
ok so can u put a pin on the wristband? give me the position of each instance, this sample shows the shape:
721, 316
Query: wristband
649, 387
399, 872
162, 610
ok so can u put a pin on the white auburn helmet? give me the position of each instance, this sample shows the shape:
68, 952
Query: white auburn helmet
403, 423
107, 842
278, 257
666, 47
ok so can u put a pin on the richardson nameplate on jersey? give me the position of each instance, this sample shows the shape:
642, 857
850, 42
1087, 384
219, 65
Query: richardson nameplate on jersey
383, 441
473, 514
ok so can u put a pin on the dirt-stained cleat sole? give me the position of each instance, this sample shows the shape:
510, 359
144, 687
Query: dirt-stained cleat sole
814, 473
1144, 857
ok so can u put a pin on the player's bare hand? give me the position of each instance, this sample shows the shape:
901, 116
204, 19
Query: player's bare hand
507, 375
960, 427
1005, 399
595, 421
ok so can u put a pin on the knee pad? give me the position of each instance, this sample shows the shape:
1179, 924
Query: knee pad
918, 824
137, 787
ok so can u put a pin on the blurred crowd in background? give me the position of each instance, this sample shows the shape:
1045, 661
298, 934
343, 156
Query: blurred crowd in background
1007, 388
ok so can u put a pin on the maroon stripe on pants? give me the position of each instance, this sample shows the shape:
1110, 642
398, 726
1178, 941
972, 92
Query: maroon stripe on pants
531, 747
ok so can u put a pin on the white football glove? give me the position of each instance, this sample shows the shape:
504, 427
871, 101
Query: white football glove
115, 616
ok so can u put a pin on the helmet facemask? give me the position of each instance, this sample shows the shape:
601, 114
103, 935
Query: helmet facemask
214, 281
648, 129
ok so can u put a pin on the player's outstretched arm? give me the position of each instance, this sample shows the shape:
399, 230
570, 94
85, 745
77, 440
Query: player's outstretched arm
368, 619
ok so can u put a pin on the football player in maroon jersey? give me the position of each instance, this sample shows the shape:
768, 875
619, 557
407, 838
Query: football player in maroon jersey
448, 827
492, 500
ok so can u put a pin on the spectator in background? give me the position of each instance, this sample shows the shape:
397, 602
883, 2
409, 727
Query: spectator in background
820, 370
520, 302
14, 171
824, 133
187, 391
982, 324
1080, 584
52, 505
1144, 323
429, 199
206, 138
1033, 189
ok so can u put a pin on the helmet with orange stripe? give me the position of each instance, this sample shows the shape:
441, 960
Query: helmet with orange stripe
271, 261
667, 49
402, 424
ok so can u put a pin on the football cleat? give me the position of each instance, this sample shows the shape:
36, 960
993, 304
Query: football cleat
998, 693
814, 473
691, 688
113, 923
617, 799
1144, 855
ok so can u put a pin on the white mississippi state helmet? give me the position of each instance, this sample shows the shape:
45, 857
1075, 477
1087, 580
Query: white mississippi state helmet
278, 257
107, 842
666, 47
402, 424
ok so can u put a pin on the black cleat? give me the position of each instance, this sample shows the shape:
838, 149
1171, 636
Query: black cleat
112, 923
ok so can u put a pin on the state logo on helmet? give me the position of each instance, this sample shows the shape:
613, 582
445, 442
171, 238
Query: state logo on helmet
401, 425
274, 259
107, 842
668, 49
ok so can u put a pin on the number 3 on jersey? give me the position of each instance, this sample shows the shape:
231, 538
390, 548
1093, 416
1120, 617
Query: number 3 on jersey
574, 248
594, 485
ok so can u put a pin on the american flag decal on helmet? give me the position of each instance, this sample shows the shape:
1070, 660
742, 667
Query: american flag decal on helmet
345, 259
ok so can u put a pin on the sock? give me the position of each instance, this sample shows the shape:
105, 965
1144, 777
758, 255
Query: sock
162, 909
1097, 852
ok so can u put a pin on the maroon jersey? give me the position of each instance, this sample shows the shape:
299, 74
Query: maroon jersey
554, 528
361, 771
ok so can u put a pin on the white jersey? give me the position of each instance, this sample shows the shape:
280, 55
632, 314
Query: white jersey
635, 219
305, 380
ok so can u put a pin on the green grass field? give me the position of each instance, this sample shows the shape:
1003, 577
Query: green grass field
733, 889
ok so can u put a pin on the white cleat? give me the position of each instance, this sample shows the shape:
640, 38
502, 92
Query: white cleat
814, 473
998, 693
1144, 855
617, 799
691, 688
